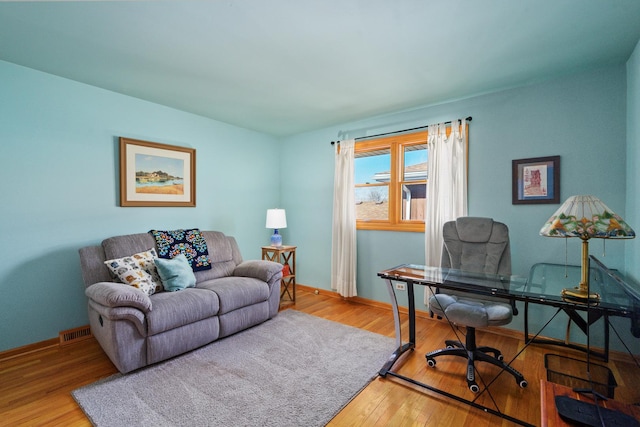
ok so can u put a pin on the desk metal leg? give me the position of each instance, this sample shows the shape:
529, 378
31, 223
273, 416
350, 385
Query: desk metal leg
606, 338
412, 312
584, 325
400, 348
526, 322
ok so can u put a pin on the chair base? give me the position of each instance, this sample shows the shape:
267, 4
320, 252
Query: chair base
472, 353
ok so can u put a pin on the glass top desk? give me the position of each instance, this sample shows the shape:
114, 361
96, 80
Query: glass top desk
617, 299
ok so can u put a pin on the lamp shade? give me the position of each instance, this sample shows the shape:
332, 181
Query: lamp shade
586, 217
276, 218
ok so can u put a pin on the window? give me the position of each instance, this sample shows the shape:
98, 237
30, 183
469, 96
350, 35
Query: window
390, 181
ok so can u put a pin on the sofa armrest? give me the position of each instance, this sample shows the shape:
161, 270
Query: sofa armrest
258, 269
115, 314
110, 294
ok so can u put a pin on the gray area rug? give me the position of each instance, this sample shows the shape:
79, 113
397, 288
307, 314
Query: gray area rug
293, 370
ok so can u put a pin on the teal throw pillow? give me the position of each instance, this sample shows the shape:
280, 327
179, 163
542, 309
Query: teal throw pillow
176, 273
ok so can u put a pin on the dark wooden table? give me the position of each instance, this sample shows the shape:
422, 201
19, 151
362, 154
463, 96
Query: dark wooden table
549, 416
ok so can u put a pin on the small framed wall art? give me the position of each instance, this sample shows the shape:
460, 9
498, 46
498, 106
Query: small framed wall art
153, 174
536, 180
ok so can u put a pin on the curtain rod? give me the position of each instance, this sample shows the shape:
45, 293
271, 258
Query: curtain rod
468, 119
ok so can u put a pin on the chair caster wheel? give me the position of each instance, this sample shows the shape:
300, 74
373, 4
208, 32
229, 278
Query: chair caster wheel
450, 346
500, 357
523, 384
474, 388
431, 362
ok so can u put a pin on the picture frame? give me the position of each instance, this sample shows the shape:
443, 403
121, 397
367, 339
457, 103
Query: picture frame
156, 175
536, 180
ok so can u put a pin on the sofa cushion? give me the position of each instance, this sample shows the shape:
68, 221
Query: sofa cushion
190, 242
137, 270
176, 273
218, 240
175, 309
122, 246
224, 254
92, 264
236, 292
218, 269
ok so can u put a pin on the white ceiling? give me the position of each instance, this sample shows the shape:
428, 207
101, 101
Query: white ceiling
288, 66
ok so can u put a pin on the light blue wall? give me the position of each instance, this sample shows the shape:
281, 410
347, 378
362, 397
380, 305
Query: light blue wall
633, 161
58, 148
59, 174
581, 118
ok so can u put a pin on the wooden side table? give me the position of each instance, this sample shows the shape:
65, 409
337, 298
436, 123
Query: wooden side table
285, 255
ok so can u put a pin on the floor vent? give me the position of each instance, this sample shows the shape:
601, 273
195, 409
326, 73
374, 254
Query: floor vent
73, 335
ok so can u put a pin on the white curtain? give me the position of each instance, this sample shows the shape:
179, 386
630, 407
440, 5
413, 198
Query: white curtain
446, 185
343, 242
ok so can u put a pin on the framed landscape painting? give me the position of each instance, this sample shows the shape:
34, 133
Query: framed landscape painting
153, 174
536, 180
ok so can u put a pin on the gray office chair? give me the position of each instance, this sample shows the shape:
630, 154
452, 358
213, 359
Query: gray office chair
477, 245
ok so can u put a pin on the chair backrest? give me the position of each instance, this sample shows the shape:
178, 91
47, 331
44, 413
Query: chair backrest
477, 245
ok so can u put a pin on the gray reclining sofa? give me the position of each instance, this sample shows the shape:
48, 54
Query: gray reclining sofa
136, 330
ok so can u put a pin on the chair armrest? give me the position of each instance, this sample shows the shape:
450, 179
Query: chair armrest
258, 269
110, 294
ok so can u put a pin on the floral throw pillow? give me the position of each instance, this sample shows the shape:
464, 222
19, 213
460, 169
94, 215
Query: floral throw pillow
191, 243
138, 270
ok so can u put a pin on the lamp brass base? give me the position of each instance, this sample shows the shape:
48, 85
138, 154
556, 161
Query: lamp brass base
581, 295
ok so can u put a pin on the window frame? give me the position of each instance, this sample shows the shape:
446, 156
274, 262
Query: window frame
395, 144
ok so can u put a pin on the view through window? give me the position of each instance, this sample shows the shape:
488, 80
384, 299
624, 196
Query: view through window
390, 182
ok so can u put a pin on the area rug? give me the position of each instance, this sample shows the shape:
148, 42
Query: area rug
293, 370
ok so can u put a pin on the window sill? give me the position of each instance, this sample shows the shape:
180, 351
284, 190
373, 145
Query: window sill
417, 227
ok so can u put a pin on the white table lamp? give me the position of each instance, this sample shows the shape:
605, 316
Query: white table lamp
276, 219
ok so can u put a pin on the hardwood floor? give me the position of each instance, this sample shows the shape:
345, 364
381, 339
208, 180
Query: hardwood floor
35, 388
